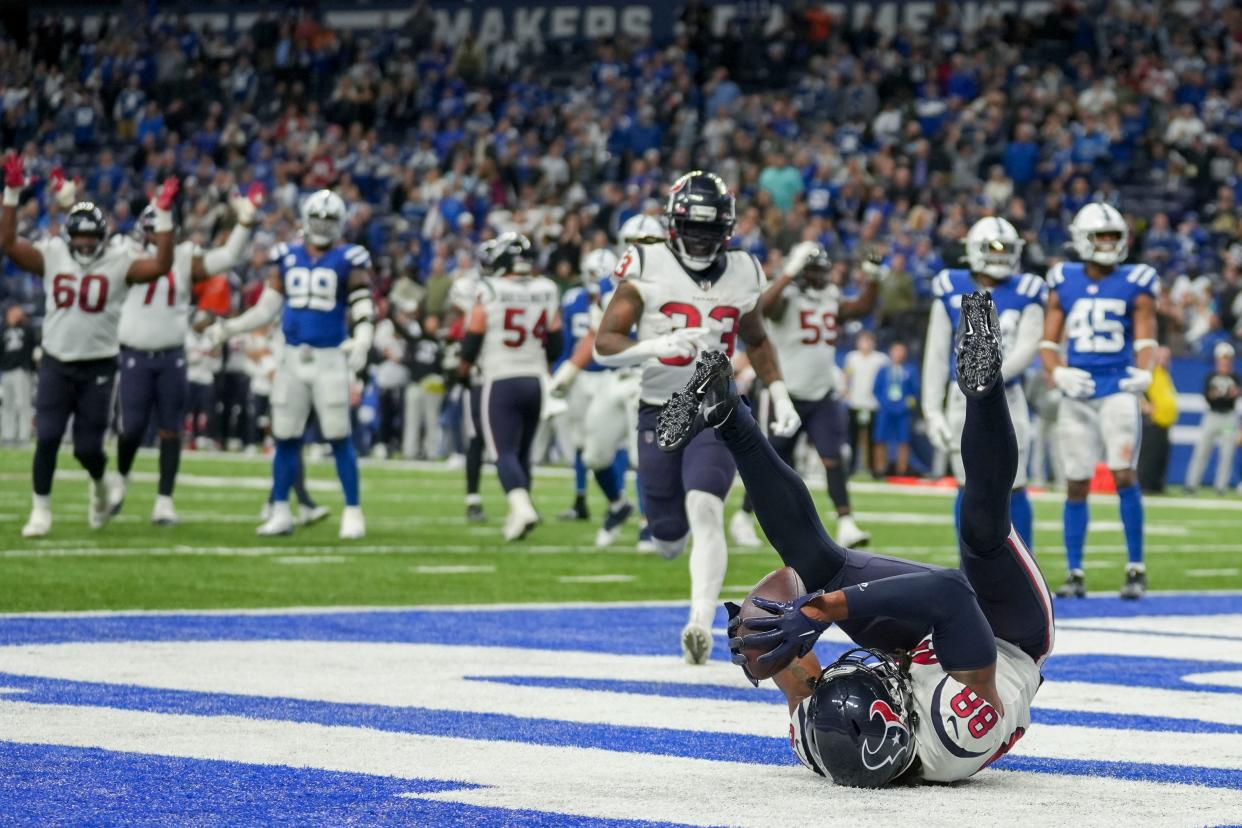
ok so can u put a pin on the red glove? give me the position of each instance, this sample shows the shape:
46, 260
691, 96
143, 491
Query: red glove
167, 192
257, 193
14, 171
56, 180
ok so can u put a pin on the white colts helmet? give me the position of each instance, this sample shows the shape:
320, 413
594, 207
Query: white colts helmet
598, 265
1094, 220
642, 229
323, 218
994, 248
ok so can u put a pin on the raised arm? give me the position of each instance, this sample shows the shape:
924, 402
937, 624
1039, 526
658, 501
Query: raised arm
227, 255
22, 253
152, 268
864, 303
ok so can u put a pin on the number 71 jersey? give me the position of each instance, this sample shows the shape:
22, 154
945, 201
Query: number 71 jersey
316, 292
1099, 318
676, 298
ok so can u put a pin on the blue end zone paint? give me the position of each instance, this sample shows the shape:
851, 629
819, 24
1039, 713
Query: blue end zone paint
44, 785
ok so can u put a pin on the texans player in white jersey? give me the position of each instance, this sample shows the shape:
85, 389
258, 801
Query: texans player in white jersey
804, 309
1107, 313
950, 658
86, 274
513, 332
689, 295
319, 287
153, 330
596, 397
994, 254
460, 301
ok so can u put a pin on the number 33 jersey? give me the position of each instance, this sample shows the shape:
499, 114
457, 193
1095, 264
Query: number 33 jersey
83, 302
676, 298
316, 292
1099, 318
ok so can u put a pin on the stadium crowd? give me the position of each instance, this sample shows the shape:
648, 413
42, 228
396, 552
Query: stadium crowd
846, 135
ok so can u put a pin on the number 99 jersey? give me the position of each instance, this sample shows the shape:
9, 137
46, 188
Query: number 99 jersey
316, 292
676, 298
1099, 318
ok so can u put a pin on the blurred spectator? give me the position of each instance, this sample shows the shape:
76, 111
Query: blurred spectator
897, 391
1219, 426
1159, 407
862, 366
17, 364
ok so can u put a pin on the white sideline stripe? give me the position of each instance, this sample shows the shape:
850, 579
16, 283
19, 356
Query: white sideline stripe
595, 579
516, 775
1212, 573
919, 519
348, 608
309, 559
452, 570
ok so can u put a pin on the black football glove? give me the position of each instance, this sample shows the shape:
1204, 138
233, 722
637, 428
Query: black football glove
788, 630
735, 643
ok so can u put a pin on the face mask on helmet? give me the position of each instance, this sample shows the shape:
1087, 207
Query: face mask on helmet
323, 219
1100, 235
698, 242
816, 274
998, 258
85, 230
700, 215
512, 255
859, 728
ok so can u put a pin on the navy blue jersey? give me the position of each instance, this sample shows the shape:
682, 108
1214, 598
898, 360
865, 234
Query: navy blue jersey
316, 292
1011, 297
1099, 318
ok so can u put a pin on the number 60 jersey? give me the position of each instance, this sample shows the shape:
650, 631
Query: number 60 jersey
1099, 318
316, 292
84, 301
676, 298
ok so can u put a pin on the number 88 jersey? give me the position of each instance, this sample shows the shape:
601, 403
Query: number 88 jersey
316, 292
1099, 318
676, 298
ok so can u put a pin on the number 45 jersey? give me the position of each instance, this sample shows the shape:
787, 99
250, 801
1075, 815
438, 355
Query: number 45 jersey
1099, 318
676, 298
316, 292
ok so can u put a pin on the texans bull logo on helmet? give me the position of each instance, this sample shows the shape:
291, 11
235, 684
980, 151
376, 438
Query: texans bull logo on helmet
893, 744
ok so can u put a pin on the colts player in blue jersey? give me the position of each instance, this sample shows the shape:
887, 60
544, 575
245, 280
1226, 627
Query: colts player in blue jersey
994, 253
323, 285
1107, 311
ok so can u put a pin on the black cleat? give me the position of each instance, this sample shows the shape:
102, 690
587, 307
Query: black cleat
978, 347
1075, 586
578, 511
1135, 586
708, 399
474, 513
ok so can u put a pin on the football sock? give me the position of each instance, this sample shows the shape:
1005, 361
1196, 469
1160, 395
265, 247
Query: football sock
1132, 521
638, 493
782, 503
346, 468
621, 465
1075, 528
44, 465
609, 483
285, 463
170, 460
1022, 516
126, 450
474, 464
990, 460
299, 485
837, 490
709, 554
43, 502
580, 474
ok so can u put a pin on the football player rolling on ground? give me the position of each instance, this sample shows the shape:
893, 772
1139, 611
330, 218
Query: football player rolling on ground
597, 398
803, 309
153, 330
1107, 313
513, 332
952, 657
318, 287
86, 275
994, 253
689, 295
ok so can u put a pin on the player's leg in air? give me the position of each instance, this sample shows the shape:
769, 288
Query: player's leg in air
510, 409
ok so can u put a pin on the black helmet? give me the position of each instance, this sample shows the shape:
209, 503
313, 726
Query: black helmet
701, 214
85, 230
816, 272
511, 254
857, 728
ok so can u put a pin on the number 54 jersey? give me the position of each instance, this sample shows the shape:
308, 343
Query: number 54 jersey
676, 298
316, 292
1099, 318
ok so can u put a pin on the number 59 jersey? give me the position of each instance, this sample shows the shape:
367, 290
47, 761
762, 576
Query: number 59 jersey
316, 292
519, 311
1099, 318
676, 298
83, 303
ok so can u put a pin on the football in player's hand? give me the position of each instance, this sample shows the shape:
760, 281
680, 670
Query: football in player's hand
781, 585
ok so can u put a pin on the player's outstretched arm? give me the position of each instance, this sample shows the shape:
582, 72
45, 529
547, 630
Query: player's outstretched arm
864, 303
267, 308
22, 253
615, 349
153, 267
797, 681
785, 419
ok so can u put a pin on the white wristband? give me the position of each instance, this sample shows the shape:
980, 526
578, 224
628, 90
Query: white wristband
1049, 345
12, 196
1144, 344
163, 221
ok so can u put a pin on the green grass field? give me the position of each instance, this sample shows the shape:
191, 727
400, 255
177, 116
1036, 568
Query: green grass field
420, 550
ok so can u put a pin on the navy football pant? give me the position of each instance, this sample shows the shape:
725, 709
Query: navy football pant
1008, 585
152, 381
82, 390
511, 409
704, 464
